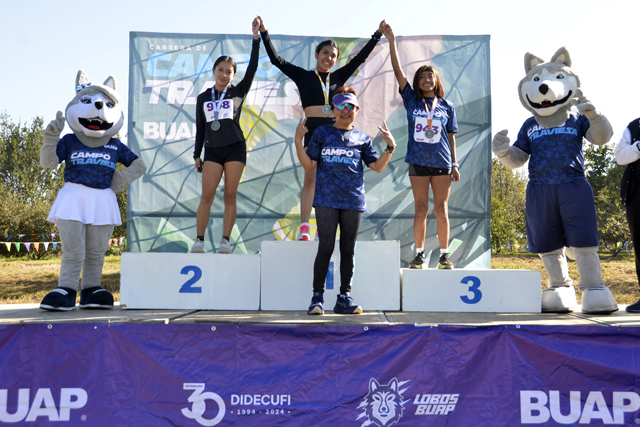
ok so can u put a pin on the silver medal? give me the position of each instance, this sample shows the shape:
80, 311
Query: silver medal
326, 109
429, 133
215, 125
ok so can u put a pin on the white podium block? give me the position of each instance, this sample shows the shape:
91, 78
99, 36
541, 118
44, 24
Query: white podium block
154, 280
488, 291
287, 275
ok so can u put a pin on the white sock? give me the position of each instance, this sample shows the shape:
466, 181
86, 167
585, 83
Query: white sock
444, 251
305, 223
418, 250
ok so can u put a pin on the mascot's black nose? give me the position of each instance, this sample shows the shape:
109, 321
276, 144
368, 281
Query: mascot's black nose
543, 89
100, 104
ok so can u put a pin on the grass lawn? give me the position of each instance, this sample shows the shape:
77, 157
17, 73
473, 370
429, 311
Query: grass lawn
24, 281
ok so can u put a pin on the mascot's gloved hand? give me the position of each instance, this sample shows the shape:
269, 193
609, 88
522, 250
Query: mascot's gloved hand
585, 106
511, 157
500, 144
48, 156
600, 130
121, 178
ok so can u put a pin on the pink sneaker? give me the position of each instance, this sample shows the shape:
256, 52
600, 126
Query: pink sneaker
304, 235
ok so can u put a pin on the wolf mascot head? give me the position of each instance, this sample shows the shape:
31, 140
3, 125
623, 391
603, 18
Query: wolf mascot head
95, 114
549, 89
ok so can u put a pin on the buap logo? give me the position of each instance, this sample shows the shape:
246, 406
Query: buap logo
43, 405
199, 405
538, 406
384, 404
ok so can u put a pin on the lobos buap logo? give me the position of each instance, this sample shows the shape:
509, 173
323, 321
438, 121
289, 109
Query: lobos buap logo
384, 405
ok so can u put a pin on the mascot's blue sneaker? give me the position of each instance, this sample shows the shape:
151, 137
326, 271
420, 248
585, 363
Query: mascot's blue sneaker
96, 297
345, 305
316, 304
59, 299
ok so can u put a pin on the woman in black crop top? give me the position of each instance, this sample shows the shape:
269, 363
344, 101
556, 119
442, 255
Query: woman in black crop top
317, 88
225, 151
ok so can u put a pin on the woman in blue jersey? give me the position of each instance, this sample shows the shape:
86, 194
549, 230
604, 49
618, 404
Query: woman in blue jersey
225, 149
431, 150
317, 87
338, 151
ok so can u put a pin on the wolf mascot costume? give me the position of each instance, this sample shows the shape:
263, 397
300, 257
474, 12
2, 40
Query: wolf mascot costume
560, 206
86, 209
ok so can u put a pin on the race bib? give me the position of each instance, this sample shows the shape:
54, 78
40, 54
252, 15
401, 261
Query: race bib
226, 110
421, 126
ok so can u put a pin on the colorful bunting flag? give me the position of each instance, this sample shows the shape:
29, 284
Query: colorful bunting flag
28, 246
8, 246
10, 236
54, 245
37, 246
46, 246
17, 246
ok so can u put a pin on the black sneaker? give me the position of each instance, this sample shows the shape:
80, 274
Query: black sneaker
634, 308
59, 299
418, 261
316, 304
96, 297
445, 263
345, 305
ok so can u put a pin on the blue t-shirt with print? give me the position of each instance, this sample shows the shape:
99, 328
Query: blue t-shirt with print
556, 155
434, 155
92, 167
340, 172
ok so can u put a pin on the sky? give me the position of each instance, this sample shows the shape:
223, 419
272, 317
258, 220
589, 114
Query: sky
45, 43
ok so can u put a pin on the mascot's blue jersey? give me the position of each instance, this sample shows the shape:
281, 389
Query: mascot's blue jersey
340, 177
92, 167
434, 155
556, 154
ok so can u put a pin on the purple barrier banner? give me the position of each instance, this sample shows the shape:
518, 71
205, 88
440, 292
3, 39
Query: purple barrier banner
262, 375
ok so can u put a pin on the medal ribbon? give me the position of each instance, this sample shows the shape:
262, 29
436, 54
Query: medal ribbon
217, 104
430, 114
325, 87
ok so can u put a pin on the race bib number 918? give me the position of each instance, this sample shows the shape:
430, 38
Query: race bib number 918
226, 110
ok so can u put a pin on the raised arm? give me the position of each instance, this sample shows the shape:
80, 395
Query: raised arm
351, 66
393, 53
245, 84
283, 65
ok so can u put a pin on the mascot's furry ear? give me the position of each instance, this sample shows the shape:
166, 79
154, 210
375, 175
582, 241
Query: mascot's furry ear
562, 56
111, 82
82, 80
530, 61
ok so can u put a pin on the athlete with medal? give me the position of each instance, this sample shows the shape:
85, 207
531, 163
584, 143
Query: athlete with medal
225, 149
316, 88
431, 150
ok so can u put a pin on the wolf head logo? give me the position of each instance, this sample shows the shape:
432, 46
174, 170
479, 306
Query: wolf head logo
95, 113
384, 404
549, 88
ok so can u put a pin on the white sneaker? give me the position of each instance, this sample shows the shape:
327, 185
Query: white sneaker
225, 247
198, 247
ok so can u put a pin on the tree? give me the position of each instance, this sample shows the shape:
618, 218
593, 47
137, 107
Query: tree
27, 188
508, 198
604, 175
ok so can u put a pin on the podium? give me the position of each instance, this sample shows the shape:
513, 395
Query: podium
190, 281
488, 291
287, 275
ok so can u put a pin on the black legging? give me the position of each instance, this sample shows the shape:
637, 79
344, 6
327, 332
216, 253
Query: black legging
633, 217
327, 220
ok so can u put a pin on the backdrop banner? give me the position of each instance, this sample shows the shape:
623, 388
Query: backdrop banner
168, 71
262, 375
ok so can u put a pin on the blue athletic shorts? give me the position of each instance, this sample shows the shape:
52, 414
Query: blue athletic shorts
561, 215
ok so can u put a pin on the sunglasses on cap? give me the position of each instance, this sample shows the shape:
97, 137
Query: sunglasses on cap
349, 107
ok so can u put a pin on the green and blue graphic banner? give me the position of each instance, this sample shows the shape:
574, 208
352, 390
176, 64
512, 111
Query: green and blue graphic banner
168, 71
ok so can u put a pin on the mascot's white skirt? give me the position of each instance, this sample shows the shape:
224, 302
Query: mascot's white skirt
91, 206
